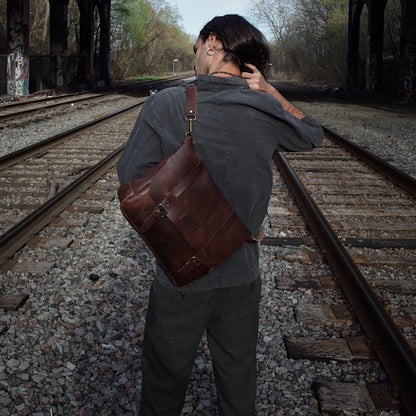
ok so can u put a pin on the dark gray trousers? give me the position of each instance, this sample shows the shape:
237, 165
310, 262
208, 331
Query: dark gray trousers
174, 326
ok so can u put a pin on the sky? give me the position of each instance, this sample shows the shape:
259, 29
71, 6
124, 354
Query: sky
196, 13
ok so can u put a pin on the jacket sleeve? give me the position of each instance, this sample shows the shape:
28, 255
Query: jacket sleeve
291, 134
143, 148
299, 135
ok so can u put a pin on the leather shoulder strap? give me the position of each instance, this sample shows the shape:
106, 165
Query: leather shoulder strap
190, 111
190, 116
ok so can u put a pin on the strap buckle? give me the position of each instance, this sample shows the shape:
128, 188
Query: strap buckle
193, 263
190, 110
160, 211
189, 134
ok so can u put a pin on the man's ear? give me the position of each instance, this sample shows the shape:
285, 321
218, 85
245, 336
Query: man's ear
214, 42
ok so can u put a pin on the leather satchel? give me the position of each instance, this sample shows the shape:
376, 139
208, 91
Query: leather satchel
181, 214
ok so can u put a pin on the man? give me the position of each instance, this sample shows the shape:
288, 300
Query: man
241, 121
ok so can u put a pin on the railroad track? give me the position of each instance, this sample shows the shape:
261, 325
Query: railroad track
15, 111
35, 180
365, 223
30, 177
368, 219
21, 109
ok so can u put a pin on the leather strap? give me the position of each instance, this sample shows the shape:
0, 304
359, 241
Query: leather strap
190, 109
190, 115
157, 214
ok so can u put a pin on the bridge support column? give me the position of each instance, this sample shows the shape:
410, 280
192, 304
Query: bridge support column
18, 47
354, 74
94, 64
103, 73
408, 51
86, 64
58, 41
374, 79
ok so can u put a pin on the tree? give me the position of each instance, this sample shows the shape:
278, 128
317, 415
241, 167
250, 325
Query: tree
277, 16
146, 37
39, 27
309, 37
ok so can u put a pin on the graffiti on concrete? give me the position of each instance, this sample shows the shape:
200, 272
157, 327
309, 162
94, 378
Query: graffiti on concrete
17, 74
18, 47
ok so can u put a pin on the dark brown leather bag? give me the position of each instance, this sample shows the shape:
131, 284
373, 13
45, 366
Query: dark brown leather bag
180, 212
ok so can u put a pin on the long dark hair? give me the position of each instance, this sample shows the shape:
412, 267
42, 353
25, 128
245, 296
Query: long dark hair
242, 42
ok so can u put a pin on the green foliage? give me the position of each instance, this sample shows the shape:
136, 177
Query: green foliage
147, 38
139, 21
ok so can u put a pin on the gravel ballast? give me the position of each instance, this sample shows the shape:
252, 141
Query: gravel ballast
74, 347
390, 134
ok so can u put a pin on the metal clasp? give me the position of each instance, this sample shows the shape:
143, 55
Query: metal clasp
161, 210
189, 134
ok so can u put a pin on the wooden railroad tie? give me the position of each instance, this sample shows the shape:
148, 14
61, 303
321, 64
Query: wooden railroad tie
12, 302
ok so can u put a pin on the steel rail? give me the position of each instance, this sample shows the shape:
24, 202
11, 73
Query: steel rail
38, 100
399, 177
121, 87
394, 352
20, 233
7, 116
36, 148
152, 83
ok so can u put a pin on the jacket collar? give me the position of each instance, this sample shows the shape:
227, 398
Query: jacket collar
212, 82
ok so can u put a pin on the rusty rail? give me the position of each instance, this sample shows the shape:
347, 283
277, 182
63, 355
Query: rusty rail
20, 233
394, 352
36, 148
395, 175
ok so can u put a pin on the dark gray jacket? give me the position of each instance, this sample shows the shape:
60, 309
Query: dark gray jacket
237, 130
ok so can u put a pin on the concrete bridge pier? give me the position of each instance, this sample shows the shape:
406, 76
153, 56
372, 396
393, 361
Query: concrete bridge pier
18, 47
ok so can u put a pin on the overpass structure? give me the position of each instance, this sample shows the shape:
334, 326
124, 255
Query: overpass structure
93, 62
367, 69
